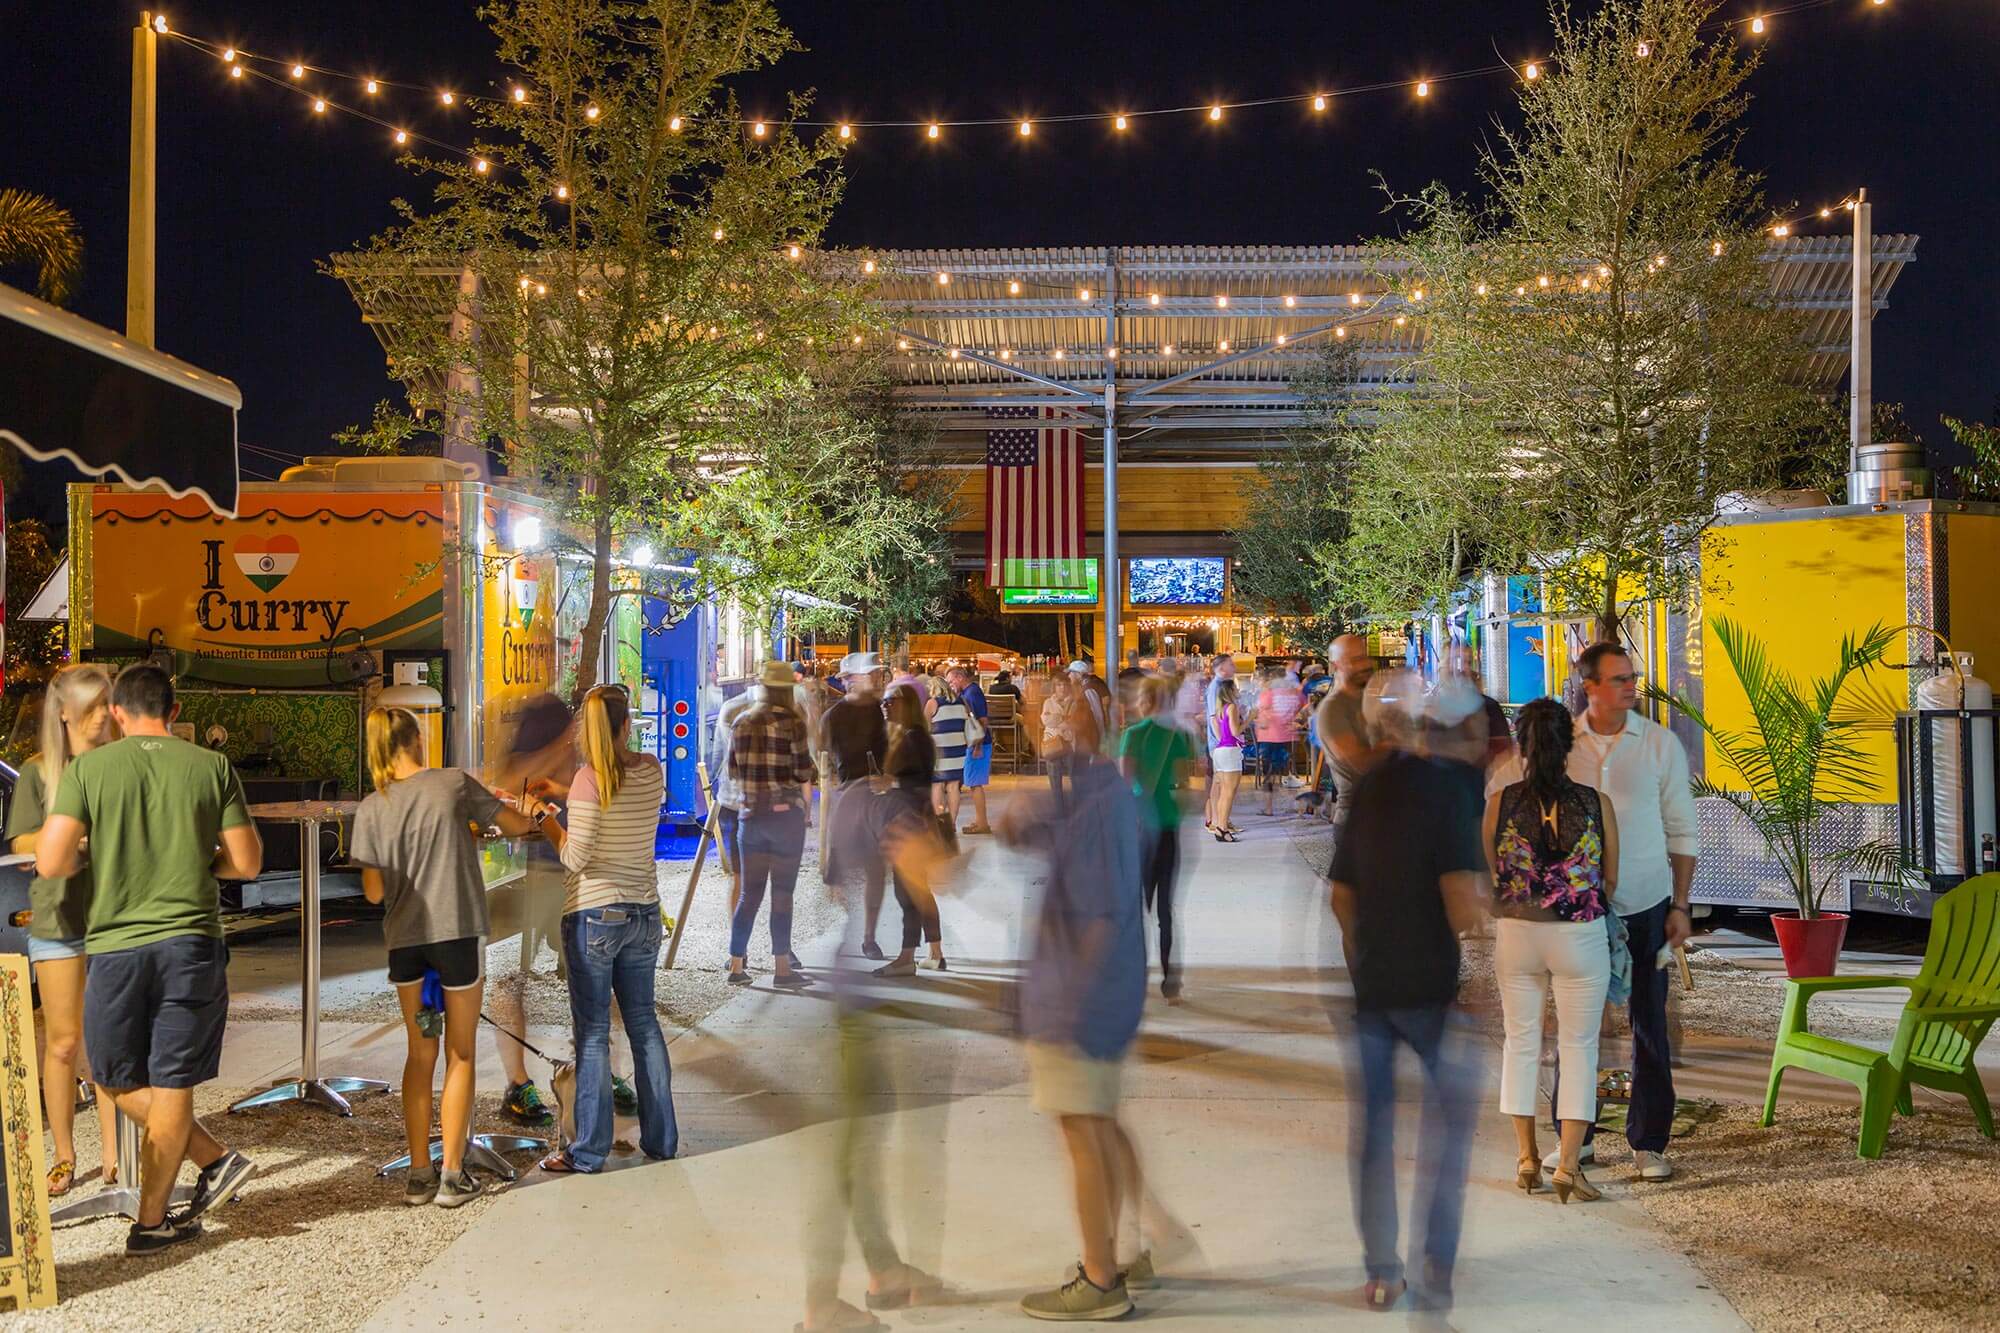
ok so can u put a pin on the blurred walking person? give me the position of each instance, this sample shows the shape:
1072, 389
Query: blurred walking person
906, 821
946, 714
770, 761
1554, 849
857, 741
1342, 727
979, 750
1405, 883
1081, 1000
1279, 699
1154, 754
76, 718
418, 855
1059, 741
611, 931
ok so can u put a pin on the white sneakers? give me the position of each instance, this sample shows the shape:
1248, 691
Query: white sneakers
1652, 1167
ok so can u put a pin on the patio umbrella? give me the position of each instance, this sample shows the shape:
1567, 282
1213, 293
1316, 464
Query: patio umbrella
71, 389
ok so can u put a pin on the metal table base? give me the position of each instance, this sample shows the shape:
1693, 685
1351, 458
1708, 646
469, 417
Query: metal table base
122, 1199
330, 1093
482, 1153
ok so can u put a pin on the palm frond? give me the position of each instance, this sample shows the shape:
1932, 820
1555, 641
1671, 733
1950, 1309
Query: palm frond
35, 230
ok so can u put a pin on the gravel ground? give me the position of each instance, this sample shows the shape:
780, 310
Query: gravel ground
316, 1206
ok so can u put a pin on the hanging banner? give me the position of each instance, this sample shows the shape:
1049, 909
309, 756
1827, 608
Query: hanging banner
274, 596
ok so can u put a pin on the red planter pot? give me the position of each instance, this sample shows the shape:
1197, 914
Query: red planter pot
1811, 946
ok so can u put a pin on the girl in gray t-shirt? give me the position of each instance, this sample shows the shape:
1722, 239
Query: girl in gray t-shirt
415, 837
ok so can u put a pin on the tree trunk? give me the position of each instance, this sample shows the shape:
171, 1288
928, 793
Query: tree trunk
591, 646
1607, 615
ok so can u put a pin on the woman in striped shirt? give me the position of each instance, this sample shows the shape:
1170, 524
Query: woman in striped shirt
946, 713
611, 931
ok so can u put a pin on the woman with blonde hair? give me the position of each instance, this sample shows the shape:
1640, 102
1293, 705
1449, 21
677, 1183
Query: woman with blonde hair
76, 716
419, 856
946, 715
611, 931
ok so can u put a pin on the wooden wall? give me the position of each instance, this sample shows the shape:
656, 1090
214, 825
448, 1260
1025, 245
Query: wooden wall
1151, 498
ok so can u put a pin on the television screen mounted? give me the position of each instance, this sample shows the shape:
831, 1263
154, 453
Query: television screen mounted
1178, 581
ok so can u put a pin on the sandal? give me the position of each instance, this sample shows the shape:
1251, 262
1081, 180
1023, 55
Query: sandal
558, 1163
61, 1176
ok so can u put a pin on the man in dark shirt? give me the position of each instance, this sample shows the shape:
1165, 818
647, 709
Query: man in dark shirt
1405, 883
858, 738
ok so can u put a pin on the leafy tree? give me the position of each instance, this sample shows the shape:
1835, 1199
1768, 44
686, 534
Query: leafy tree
640, 314
32, 649
1819, 454
1608, 331
35, 231
1979, 479
1295, 511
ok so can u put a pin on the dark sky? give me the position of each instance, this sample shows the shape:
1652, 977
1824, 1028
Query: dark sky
1901, 98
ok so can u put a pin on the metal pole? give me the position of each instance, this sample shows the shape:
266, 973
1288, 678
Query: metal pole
1110, 584
309, 947
140, 233
1860, 370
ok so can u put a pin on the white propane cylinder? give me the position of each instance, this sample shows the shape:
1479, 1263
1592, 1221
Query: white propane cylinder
1953, 790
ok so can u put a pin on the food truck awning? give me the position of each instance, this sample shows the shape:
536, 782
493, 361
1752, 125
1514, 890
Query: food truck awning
51, 600
74, 390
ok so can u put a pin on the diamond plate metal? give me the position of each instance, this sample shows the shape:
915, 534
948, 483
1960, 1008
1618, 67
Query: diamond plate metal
1737, 870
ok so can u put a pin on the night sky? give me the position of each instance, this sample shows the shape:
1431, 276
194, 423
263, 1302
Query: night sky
255, 188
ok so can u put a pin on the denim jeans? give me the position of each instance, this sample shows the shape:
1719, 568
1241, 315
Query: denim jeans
772, 841
613, 950
1447, 1049
1649, 1120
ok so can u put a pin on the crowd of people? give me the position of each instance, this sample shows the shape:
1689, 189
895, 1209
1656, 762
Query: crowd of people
1574, 833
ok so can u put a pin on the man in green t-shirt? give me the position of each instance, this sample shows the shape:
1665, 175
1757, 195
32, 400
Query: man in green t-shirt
164, 818
1155, 754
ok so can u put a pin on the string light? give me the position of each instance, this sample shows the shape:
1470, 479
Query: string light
1480, 290
1319, 101
1423, 88
1757, 25
1417, 295
1354, 298
1154, 299
1782, 229
520, 94
758, 129
717, 233
944, 279
674, 125
931, 131
847, 131
1119, 123
319, 105
1013, 289
591, 112
298, 71
1542, 281
1058, 354
1215, 112
373, 87
1027, 128
1168, 350
1281, 340
1083, 293
229, 56
902, 344
480, 165
1223, 345
1221, 301
236, 71
402, 136
867, 266
1645, 49
1532, 72
1716, 249
447, 98
562, 192
1340, 331
1291, 301
793, 251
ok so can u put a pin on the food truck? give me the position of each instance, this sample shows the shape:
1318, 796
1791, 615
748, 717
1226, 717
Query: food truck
285, 623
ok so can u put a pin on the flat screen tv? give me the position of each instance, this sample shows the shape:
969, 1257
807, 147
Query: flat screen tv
1042, 599
1186, 580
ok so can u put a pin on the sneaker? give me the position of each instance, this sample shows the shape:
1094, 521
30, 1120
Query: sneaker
219, 1181
740, 978
791, 981
420, 1190
1584, 1157
523, 1105
871, 950
455, 1191
897, 967
175, 1229
624, 1097
1078, 1300
1137, 1275
1653, 1166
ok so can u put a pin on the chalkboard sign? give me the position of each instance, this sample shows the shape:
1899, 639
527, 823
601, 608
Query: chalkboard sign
27, 1263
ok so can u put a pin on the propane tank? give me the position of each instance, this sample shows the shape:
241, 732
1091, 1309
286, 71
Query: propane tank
1955, 793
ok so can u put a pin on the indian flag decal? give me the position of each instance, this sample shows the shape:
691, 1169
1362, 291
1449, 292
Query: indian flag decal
267, 561
526, 590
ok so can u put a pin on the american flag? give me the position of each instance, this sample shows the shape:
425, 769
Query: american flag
1034, 499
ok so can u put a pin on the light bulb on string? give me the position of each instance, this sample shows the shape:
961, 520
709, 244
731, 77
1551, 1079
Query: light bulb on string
1542, 281
1291, 301
1118, 123
1319, 101
1354, 298
562, 192
931, 131
674, 125
1083, 293
447, 98
1423, 88
319, 105
1223, 345
793, 251
372, 86
944, 279
1340, 331
236, 71
1027, 128
402, 136
520, 94
1215, 112
1058, 353
1221, 301
1480, 290
229, 55
1757, 25
1826, 212
591, 112
1153, 299
1782, 229
758, 129
1716, 249
298, 71
1531, 72
1013, 289
1644, 49
717, 233
480, 165
846, 131
867, 266
1281, 340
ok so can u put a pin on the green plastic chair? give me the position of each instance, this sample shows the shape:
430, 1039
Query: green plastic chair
1954, 999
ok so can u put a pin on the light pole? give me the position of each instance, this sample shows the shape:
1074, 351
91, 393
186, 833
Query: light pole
140, 230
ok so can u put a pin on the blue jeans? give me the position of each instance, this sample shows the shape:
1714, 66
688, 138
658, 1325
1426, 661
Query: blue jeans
613, 950
772, 841
1446, 1048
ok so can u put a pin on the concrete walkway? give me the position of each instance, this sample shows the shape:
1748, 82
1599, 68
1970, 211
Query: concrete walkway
1238, 1103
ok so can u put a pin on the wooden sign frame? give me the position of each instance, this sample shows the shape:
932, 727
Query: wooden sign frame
27, 1266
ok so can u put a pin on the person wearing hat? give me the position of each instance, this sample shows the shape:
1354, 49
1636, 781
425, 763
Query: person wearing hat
857, 738
1092, 713
770, 760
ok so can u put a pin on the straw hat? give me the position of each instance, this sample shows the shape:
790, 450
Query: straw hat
777, 673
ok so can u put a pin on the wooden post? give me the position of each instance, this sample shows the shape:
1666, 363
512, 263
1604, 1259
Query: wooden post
700, 858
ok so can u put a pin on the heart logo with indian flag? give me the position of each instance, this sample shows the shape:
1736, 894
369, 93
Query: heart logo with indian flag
527, 590
267, 561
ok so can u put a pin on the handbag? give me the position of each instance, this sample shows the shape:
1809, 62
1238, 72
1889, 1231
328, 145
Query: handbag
975, 731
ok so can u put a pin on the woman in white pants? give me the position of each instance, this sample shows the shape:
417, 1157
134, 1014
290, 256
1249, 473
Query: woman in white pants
1553, 844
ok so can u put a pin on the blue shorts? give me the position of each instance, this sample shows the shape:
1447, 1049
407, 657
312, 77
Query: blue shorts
979, 767
727, 829
53, 951
153, 1014
1275, 756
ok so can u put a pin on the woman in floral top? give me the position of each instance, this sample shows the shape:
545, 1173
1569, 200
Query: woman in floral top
1554, 849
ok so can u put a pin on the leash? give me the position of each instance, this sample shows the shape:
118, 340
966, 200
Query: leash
524, 1043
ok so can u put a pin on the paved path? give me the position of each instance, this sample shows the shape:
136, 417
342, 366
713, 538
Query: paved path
1237, 1101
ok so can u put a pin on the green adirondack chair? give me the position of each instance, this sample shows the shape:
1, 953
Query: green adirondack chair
1954, 999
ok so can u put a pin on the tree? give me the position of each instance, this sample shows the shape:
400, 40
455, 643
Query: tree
641, 314
1609, 327
1979, 479
35, 231
32, 649
1295, 510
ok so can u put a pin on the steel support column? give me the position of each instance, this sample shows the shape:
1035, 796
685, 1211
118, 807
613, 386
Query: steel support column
1110, 585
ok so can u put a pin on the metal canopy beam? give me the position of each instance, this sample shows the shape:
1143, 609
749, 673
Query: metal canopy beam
997, 364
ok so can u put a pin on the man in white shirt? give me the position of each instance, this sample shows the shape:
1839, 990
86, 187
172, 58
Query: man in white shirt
1642, 770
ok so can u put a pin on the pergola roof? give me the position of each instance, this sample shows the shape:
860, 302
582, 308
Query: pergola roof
1194, 378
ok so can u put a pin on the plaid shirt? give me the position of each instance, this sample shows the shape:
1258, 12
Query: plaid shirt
769, 758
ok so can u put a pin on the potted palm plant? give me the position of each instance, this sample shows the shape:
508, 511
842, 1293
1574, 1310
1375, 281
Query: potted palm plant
1800, 758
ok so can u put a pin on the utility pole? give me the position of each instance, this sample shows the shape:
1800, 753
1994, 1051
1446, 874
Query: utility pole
1860, 372
140, 233
1111, 586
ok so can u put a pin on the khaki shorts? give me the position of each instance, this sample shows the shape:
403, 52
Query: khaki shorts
1068, 1082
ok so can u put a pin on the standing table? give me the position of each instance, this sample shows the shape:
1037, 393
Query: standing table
330, 1092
